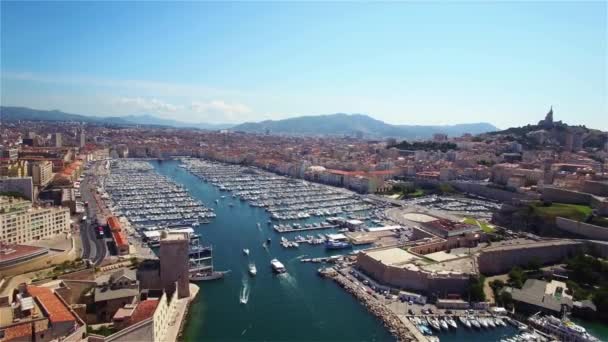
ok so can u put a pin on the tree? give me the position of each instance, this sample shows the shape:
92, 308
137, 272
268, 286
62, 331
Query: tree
600, 299
476, 293
505, 299
497, 284
517, 277
534, 264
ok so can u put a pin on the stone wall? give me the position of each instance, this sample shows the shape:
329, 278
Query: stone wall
417, 281
488, 192
500, 260
587, 230
554, 194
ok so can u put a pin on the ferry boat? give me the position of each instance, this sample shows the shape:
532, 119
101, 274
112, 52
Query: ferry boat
277, 266
564, 329
253, 270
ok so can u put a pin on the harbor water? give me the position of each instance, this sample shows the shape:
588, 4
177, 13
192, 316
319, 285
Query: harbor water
298, 305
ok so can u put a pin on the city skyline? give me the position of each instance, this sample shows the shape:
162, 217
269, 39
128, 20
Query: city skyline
402, 63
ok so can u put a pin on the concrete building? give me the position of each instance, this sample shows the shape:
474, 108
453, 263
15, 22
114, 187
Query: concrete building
20, 222
83, 139
39, 314
14, 168
21, 185
174, 263
9, 153
538, 295
57, 140
41, 172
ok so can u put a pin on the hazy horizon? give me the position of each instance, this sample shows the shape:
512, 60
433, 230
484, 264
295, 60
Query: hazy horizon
402, 63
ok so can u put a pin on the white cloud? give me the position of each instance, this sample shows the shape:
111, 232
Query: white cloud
219, 106
145, 104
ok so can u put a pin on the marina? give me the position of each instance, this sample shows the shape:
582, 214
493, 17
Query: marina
289, 279
148, 200
283, 197
297, 305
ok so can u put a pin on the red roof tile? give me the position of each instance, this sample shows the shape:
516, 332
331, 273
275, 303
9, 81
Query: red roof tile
144, 310
56, 310
16, 331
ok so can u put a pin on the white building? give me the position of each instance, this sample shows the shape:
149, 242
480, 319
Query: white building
20, 222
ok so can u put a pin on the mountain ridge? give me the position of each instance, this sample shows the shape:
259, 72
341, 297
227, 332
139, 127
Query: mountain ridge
349, 124
338, 124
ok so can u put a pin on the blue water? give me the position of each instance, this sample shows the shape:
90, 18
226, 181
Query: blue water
295, 306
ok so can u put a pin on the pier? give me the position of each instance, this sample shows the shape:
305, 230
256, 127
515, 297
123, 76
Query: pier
280, 229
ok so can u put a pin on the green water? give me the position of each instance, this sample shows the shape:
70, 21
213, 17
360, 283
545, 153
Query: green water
596, 329
295, 306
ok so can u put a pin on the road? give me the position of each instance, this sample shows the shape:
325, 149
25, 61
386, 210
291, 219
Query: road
93, 248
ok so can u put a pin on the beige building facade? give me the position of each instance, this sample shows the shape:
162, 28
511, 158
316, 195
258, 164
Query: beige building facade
20, 222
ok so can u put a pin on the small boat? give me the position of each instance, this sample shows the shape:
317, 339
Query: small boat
474, 323
200, 276
451, 322
490, 322
500, 322
331, 244
253, 270
277, 266
483, 322
433, 323
268, 240
245, 251
464, 321
443, 324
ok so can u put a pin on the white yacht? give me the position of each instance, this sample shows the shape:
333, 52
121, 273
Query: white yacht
277, 266
253, 270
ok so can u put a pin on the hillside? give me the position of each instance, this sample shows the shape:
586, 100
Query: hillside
350, 124
28, 114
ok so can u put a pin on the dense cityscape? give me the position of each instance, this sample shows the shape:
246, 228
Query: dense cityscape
489, 232
303, 171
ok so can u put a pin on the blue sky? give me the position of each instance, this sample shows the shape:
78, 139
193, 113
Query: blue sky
404, 63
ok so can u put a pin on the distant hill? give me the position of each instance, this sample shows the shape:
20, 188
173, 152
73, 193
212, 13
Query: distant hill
331, 125
548, 133
147, 119
28, 114
349, 124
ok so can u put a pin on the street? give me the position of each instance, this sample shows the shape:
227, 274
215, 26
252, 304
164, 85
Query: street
93, 248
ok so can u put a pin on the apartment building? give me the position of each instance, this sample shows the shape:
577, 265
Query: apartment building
42, 172
20, 222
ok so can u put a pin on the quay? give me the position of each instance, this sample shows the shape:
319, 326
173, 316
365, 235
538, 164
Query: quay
401, 330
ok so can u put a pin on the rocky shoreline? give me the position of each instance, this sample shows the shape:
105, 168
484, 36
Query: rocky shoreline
396, 327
